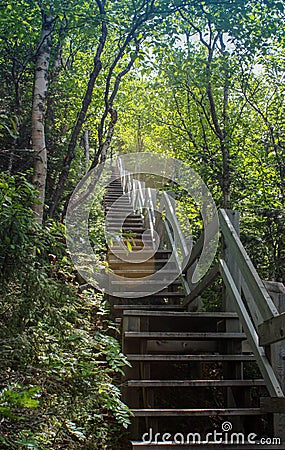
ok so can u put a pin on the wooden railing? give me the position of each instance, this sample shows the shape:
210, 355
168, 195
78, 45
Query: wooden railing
245, 291
153, 205
252, 302
142, 198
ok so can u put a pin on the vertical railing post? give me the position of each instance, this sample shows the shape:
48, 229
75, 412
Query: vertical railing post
232, 325
228, 304
277, 353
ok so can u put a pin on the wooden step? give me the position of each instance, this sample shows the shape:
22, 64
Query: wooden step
147, 283
119, 204
158, 262
134, 248
134, 231
182, 346
120, 216
114, 187
139, 219
135, 241
114, 196
147, 272
116, 204
128, 224
194, 383
197, 412
154, 307
146, 253
191, 358
136, 227
179, 314
166, 335
138, 239
123, 213
146, 295
118, 209
131, 234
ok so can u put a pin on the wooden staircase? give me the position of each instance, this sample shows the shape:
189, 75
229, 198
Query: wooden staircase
191, 371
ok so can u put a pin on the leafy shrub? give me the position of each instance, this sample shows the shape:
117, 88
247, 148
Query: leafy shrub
58, 358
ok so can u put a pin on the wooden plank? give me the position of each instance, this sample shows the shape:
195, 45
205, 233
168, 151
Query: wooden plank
228, 303
176, 335
272, 404
195, 383
185, 286
251, 277
261, 358
200, 287
190, 358
163, 294
197, 412
182, 346
141, 271
272, 330
181, 314
251, 303
277, 355
231, 262
168, 203
149, 281
165, 307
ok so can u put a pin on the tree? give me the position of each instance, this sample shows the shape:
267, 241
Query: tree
38, 111
136, 23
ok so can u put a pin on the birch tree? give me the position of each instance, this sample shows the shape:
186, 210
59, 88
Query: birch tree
38, 112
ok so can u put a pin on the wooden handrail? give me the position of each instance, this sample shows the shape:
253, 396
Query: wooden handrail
256, 288
171, 216
266, 321
251, 333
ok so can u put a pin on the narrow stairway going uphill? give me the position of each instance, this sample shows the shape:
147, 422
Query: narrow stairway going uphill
196, 379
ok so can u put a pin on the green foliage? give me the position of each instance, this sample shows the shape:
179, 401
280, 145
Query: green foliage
170, 112
58, 354
17, 225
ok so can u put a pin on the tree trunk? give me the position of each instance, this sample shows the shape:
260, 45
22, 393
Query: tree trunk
101, 154
80, 120
86, 149
104, 140
225, 144
38, 114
